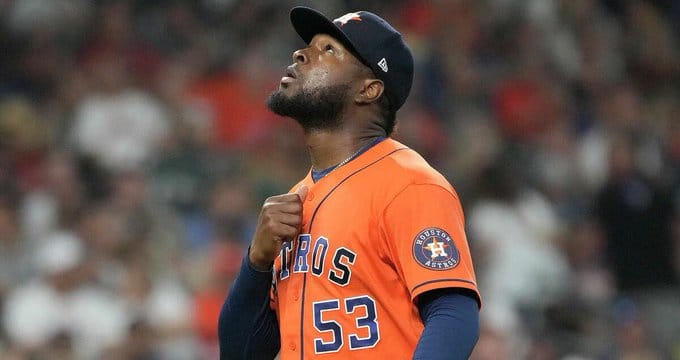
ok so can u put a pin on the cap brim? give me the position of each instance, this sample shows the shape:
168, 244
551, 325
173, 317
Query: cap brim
308, 22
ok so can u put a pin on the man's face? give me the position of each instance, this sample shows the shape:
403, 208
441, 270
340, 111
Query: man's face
318, 85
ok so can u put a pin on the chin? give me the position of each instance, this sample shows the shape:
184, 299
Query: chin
312, 109
285, 91
277, 98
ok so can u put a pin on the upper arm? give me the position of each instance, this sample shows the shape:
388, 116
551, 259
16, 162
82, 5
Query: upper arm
425, 236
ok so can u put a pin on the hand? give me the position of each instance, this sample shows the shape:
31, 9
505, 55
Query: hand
279, 221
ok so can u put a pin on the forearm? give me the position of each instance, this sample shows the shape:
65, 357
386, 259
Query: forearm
451, 326
247, 327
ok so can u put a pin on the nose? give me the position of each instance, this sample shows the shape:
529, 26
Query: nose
299, 57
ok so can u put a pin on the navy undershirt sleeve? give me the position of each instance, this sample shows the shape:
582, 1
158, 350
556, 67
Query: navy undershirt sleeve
247, 326
451, 318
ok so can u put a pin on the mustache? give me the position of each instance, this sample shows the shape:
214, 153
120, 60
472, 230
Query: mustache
292, 72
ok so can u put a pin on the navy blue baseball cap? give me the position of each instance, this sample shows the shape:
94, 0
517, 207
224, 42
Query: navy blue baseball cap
372, 40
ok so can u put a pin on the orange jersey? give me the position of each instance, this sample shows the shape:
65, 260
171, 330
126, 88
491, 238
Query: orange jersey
376, 233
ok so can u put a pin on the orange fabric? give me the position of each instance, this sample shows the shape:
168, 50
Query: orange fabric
366, 218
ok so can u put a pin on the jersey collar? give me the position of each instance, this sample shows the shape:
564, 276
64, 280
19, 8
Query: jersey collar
363, 160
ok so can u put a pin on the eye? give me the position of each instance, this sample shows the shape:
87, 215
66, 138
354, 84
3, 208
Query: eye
329, 48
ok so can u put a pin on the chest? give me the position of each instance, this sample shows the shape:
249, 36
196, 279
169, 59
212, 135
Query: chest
340, 232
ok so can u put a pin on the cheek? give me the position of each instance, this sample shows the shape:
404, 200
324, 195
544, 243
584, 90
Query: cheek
318, 78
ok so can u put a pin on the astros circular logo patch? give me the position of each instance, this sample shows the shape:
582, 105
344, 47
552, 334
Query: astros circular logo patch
433, 248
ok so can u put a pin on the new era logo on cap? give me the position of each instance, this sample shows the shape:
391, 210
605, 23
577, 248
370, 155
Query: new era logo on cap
371, 39
383, 64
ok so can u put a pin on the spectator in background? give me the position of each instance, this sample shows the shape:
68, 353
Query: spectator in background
14, 255
219, 271
633, 338
59, 308
517, 233
501, 333
233, 99
636, 217
56, 15
119, 126
117, 123
24, 137
160, 307
186, 163
147, 226
14, 251
57, 200
522, 272
229, 205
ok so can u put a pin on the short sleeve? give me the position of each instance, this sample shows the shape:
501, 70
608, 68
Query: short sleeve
424, 231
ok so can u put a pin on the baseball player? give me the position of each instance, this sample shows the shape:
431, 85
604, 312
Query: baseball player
366, 257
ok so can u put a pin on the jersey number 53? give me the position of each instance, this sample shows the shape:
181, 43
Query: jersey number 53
367, 333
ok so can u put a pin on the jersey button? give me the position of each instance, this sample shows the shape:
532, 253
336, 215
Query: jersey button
291, 345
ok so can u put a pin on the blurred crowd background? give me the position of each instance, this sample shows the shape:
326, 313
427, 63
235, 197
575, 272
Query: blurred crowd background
136, 150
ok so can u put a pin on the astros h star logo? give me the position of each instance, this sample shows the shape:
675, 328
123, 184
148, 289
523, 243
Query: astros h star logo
434, 249
344, 19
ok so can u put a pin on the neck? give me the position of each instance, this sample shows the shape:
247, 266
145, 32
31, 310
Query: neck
330, 148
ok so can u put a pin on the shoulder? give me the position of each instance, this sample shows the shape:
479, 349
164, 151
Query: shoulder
406, 167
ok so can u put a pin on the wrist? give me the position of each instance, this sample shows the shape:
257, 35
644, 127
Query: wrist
259, 262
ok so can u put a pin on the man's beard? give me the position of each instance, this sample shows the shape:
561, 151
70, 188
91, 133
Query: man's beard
315, 110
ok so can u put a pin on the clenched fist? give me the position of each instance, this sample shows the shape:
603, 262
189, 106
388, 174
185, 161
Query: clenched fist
279, 221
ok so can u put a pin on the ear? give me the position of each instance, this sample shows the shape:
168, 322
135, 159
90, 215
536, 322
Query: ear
370, 91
